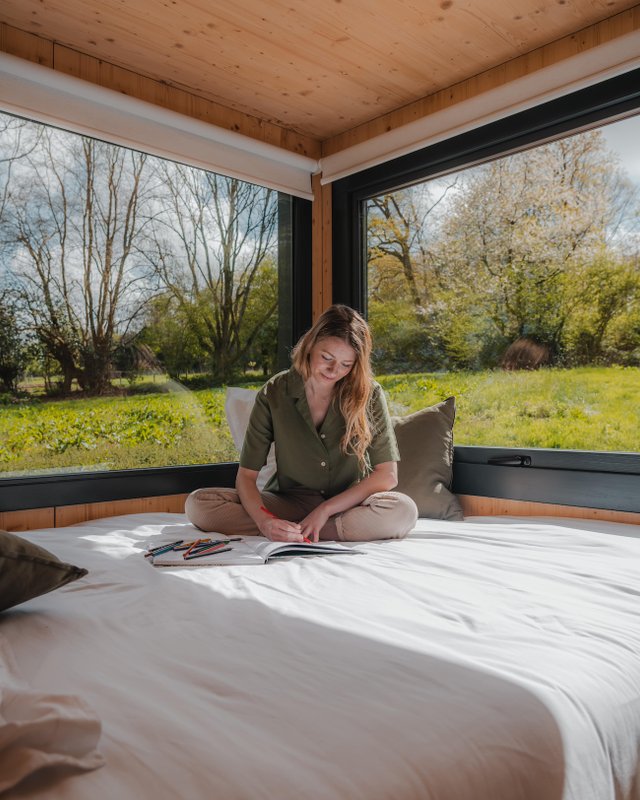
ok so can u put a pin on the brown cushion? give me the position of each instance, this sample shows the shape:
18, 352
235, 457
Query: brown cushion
425, 471
28, 570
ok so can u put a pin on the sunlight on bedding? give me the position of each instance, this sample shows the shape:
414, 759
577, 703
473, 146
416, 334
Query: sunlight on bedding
480, 660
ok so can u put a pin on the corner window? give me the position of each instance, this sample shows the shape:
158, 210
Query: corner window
132, 291
514, 285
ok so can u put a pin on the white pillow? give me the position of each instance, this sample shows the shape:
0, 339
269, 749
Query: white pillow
238, 404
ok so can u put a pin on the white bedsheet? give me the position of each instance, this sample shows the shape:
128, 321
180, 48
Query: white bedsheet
479, 660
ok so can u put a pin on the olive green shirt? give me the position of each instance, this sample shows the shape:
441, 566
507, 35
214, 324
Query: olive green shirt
310, 458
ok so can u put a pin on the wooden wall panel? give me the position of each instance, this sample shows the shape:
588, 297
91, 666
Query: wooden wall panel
26, 45
321, 248
62, 516
27, 520
474, 506
327, 246
70, 515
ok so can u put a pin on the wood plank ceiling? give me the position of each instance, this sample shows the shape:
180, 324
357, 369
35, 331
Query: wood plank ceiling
319, 68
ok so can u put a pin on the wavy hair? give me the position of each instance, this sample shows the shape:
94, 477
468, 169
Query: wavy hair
353, 392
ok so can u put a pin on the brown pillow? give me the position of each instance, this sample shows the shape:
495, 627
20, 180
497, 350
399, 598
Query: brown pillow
28, 570
425, 471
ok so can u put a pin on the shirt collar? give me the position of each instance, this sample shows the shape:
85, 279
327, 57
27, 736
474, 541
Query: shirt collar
295, 389
295, 384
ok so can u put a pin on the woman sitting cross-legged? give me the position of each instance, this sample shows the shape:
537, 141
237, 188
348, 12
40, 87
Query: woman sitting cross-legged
336, 451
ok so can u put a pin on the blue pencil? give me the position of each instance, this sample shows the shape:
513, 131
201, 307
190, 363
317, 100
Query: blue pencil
163, 548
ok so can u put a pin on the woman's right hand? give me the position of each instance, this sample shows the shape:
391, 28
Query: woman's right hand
280, 530
269, 525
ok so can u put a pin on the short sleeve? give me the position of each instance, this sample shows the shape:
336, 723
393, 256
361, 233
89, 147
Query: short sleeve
383, 446
259, 435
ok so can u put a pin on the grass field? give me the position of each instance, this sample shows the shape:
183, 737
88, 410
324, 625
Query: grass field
589, 408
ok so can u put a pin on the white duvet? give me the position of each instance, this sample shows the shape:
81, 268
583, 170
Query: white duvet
478, 660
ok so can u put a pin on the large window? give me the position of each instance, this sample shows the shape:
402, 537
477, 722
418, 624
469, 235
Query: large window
515, 286
501, 266
132, 291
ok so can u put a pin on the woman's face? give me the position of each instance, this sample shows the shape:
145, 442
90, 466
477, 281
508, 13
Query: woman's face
330, 360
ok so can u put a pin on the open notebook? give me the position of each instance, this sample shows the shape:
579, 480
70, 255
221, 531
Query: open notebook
248, 550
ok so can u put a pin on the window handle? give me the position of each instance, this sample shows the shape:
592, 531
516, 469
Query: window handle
510, 461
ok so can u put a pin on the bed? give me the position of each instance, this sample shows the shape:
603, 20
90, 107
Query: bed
491, 658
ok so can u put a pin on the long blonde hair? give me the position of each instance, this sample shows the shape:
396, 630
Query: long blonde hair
352, 393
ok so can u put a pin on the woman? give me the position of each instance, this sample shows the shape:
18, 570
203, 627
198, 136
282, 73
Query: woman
336, 451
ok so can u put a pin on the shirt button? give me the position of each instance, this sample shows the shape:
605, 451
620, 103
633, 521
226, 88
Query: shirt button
323, 463
322, 435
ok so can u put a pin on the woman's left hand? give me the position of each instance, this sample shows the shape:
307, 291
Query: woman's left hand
314, 522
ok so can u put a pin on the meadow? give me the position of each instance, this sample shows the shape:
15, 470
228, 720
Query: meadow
588, 408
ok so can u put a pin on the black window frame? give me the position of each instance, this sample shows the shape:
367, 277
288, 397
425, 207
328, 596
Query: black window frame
575, 478
295, 305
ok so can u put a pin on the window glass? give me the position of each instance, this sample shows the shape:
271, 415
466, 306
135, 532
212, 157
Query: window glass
515, 286
132, 291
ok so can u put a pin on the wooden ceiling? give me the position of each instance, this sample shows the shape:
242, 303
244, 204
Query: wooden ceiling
318, 67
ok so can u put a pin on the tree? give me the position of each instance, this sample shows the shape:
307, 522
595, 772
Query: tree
403, 277
73, 218
262, 349
168, 332
519, 230
401, 228
503, 252
19, 138
12, 347
211, 243
606, 289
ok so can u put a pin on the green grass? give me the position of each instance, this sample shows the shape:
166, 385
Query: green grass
177, 427
589, 408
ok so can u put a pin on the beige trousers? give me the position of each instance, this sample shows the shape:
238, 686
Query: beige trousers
384, 515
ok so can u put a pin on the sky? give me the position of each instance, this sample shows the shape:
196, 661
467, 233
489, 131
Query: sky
624, 138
